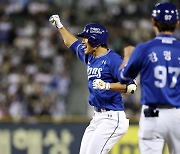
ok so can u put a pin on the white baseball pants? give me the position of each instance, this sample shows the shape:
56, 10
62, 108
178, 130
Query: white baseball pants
104, 130
155, 131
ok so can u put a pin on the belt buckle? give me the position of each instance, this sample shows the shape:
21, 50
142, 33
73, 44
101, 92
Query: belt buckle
97, 109
100, 109
103, 110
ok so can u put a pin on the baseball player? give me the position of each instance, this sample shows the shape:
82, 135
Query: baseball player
158, 62
109, 122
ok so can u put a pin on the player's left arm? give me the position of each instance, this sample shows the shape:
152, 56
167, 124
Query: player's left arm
129, 88
118, 87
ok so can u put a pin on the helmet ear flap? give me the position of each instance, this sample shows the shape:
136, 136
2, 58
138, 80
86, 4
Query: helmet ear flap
93, 41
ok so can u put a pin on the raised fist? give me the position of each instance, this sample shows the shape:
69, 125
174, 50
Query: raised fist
55, 21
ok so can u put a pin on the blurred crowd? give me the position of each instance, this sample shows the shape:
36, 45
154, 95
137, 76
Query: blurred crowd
35, 65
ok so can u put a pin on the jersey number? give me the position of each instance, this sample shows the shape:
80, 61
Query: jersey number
161, 73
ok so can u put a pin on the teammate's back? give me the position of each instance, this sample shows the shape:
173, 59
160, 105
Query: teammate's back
160, 70
158, 62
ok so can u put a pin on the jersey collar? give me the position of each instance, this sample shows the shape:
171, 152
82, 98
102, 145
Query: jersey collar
165, 36
103, 54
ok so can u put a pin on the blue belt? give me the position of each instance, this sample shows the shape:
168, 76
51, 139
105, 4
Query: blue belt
99, 109
163, 106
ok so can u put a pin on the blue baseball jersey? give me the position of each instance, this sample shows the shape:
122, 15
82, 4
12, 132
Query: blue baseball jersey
158, 62
104, 67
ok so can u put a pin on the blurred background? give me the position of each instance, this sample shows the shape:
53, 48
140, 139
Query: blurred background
43, 81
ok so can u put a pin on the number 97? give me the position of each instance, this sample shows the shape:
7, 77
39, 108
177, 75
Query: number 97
161, 74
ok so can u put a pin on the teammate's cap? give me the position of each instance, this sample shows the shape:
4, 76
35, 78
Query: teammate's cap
97, 34
165, 12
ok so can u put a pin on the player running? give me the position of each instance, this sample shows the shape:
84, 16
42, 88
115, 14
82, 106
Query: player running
158, 62
109, 122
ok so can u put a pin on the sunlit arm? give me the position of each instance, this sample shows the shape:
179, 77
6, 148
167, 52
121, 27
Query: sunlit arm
68, 38
118, 87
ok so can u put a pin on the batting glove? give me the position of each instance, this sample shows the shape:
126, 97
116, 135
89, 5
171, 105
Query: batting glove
100, 84
131, 87
55, 21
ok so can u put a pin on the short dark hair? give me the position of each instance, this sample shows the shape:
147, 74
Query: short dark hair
104, 46
164, 26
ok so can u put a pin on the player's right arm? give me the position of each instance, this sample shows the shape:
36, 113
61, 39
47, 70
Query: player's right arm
68, 38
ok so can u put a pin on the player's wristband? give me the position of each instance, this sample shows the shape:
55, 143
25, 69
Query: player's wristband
59, 25
107, 85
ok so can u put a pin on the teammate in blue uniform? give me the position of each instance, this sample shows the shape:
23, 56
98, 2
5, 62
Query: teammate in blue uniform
109, 122
158, 62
